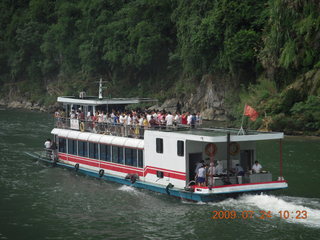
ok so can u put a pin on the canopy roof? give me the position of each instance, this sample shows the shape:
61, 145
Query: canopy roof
94, 101
217, 135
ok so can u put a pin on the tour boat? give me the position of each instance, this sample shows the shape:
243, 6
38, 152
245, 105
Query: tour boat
161, 159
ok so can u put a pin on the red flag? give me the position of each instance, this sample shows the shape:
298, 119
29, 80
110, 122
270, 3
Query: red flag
251, 112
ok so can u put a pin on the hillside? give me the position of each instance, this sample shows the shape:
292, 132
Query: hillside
216, 55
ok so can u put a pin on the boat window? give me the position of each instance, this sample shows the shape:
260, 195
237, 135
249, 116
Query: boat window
159, 145
117, 154
72, 146
93, 150
105, 152
180, 148
131, 157
120, 156
114, 154
62, 145
140, 158
82, 149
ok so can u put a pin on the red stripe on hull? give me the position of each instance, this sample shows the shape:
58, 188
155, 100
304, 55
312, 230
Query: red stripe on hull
122, 168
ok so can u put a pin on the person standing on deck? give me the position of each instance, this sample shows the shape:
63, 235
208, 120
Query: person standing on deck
198, 165
148, 116
189, 118
193, 120
211, 173
153, 123
219, 168
201, 176
184, 118
169, 120
198, 119
177, 119
47, 143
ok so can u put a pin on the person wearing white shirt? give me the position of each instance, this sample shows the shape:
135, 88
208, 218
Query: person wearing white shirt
140, 120
198, 119
155, 115
148, 117
169, 119
72, 114
105, 117
122, 119
189, 118
256, 168
129, 120
177, 119
100, 117
201, 176
112, 116
211, 173
219, 168
198, 165
47, 143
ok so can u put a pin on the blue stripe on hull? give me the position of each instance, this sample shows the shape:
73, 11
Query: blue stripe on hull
158, 188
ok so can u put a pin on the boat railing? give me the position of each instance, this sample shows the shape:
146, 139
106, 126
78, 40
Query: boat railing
47, 154
114, 129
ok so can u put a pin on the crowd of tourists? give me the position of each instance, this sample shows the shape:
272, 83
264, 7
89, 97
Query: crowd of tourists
147, 118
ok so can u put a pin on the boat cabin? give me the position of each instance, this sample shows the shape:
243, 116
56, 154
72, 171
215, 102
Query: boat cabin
176, 153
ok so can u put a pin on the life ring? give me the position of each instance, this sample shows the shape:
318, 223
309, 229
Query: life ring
101, 172
76, 167
211, 149
82, 126
234, 148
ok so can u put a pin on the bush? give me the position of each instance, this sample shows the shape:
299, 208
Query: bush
288, 98
281, 123
308, 113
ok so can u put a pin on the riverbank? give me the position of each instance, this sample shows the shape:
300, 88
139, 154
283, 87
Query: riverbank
24, 104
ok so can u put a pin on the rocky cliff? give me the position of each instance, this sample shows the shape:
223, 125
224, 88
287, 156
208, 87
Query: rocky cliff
208, 98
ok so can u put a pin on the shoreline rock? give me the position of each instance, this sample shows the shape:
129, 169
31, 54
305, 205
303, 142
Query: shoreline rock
208, 99
23, 104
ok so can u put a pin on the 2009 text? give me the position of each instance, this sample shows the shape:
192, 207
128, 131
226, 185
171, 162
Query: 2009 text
284, 214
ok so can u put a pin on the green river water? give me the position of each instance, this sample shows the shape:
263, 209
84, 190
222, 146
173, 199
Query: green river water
38, 201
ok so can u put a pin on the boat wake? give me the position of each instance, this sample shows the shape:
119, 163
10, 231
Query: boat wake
275, 204
129, 189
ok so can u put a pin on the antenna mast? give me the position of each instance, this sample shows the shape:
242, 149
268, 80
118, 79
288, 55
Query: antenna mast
100, 89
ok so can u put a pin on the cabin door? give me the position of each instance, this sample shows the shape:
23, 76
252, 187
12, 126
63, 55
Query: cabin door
194, 158
246, 159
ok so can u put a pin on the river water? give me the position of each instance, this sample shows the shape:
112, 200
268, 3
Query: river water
38, 201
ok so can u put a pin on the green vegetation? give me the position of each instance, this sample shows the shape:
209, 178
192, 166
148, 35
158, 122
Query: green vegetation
163, 48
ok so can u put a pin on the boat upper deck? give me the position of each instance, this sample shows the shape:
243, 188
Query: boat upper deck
185, 131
